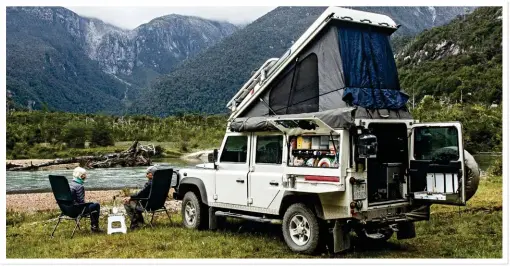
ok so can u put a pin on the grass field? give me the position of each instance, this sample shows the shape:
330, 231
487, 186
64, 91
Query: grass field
474, 231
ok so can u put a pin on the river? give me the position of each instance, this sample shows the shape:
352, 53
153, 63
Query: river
98, 179
117, 178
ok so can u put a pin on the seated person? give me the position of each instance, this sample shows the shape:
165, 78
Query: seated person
132, 206
78, 194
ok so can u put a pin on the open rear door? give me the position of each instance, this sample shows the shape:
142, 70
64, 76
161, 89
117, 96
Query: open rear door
436, 165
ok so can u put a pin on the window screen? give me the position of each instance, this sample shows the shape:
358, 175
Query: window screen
269, 149
298, 89
304, 95
235, 149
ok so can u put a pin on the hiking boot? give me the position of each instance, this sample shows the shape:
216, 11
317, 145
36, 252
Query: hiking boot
96, 229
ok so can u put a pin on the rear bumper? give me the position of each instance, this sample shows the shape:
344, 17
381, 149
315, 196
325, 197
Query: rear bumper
396, 214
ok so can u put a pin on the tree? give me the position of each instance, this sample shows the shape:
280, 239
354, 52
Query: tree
101, 136
74, 134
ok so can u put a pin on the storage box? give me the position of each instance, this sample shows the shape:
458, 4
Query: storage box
442, 183
316, 143
303, 142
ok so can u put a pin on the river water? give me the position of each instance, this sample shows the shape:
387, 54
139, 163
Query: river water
98, 179
117, 178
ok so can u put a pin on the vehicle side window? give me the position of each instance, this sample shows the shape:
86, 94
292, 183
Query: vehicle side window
235, 149
269, 149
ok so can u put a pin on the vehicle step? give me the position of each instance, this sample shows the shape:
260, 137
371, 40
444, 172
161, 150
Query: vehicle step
247, 217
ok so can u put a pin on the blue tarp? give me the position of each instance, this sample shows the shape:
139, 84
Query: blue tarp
370, 72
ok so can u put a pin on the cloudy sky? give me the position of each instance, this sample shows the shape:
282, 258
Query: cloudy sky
131, 17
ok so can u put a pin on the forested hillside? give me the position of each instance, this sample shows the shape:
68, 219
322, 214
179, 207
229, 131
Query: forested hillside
67, 62
461, 59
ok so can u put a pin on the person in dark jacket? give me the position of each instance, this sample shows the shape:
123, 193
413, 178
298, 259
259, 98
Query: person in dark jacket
78, 194
132, 206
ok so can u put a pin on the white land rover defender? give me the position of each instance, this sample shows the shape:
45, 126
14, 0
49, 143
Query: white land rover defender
321, 140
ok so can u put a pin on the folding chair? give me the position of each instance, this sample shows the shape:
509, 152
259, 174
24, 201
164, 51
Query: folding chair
69, 210
159, 193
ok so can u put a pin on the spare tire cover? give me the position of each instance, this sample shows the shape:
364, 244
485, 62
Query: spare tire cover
472, 175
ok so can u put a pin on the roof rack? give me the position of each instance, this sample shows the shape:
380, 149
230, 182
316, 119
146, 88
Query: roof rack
255, 79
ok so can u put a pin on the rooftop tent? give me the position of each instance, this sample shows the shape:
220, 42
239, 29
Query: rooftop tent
371, 79
347, 64
312, 83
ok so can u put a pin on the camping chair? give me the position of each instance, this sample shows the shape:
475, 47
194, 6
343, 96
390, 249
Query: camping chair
158, 194
70, 211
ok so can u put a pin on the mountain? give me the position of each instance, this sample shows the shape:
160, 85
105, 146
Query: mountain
72, 63
206, 82
462, 59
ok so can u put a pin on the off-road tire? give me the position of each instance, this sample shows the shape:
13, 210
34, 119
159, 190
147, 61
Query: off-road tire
313, 241
190, 199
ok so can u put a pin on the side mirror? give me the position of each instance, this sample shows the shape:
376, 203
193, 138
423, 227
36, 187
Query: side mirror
213, 157
367, 146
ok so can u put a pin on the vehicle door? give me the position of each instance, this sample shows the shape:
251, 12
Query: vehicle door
266, 169
232, 169
436, 165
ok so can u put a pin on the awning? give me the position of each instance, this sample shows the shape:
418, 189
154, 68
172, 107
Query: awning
335, 118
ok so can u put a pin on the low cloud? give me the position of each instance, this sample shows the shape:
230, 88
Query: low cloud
132, 17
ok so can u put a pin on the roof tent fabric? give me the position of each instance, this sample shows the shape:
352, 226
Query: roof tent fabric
298, 90
335, 118
370, 71
318, 81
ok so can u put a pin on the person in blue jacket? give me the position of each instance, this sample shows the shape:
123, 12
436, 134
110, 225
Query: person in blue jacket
133, 208
78, 194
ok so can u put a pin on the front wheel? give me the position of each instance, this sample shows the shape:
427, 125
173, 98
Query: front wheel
300, 229
191, 211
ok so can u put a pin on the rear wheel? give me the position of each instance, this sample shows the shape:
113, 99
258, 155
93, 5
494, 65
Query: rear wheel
191, 211
300, 229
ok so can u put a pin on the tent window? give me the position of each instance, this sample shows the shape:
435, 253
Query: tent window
298, 90
305, 92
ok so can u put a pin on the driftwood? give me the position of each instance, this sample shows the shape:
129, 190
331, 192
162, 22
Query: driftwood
136, 155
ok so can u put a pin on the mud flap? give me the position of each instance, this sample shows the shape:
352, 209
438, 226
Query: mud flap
212, 219
341, 238
406, 230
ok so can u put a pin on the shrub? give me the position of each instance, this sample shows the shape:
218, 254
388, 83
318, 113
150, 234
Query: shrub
496, 168
101, 136
74, 134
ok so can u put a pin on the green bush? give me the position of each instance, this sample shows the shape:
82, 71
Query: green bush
101, 136
74, 134
496, 168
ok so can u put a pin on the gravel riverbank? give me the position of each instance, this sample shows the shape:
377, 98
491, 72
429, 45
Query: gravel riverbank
31, 202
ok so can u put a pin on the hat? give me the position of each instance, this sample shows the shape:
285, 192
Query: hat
78, 172
152, 169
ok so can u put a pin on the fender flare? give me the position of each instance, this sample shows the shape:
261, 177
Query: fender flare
310, 199
196, 182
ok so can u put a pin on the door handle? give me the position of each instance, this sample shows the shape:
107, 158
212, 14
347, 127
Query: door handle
273, 183
240, 180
